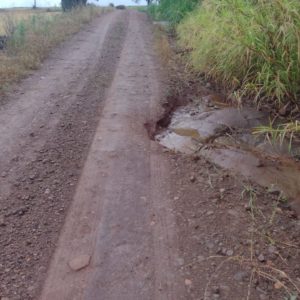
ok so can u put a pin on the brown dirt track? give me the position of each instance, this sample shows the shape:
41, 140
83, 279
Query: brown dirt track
80, 176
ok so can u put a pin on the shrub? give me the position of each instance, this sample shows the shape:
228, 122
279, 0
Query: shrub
250, 46
175, 10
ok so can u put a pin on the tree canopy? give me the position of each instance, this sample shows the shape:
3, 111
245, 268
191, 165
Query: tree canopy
69, 4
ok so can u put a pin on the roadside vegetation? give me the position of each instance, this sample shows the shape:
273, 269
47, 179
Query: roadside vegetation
250, 48
172, 10
30, 38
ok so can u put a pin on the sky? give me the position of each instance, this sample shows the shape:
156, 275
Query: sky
45, 3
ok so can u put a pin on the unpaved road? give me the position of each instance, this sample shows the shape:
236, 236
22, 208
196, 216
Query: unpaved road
74, 133
79, 176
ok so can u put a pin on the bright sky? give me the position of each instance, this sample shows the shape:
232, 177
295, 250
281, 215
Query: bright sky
29, 3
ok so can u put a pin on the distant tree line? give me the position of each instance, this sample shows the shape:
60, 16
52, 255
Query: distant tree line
69, 4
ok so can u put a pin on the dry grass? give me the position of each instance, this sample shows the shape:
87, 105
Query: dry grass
19, 15
34, 36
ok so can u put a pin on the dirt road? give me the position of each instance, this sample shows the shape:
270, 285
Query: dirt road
74, 133
92, 208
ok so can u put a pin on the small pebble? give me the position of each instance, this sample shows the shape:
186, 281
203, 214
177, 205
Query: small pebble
261, 258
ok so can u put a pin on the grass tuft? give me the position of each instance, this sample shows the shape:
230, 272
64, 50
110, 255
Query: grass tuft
251, 47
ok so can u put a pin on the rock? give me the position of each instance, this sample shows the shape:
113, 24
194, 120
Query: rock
200, 258
79, 262
209, 213
4, 298
193, 178
272, 249
278, 285
229, 252
223, 251
240, 276
3, 174
2, 221
179, 261
261, 258
247, 207
216, 290
187, 282
274, 190
31, 177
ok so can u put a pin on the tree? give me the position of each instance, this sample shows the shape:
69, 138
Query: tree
148, 1
69, 4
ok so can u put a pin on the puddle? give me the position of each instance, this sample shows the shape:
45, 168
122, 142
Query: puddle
223, 134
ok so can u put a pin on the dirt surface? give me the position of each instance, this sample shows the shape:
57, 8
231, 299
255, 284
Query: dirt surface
92, 208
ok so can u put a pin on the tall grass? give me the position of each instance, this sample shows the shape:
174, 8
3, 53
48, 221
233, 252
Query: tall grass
172, 10
250, 46
32, 39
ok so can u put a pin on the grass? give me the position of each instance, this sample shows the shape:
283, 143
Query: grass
32, 36
251, 47
280, 133
172, 10
19, 15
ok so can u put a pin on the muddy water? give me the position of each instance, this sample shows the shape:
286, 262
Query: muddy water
224, 136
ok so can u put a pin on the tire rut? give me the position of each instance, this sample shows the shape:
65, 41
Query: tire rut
37, 205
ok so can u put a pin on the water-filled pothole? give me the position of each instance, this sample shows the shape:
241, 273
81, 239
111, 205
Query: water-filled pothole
223, 134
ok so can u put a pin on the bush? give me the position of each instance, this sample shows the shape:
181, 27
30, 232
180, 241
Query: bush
175, 10
172, 10
250, 46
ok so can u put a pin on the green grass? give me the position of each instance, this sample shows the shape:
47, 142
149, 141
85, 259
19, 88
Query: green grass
251, 47
172, 10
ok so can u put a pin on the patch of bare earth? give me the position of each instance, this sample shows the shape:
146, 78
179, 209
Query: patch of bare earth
236, 240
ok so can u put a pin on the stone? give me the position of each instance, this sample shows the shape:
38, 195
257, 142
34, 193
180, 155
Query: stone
240, 276
193, 178
216, 290
2, 221
187, 282
79, 262
229, 252
272, 249
261, 258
